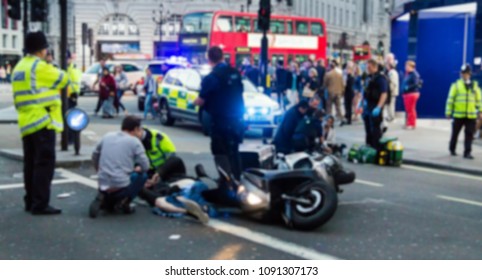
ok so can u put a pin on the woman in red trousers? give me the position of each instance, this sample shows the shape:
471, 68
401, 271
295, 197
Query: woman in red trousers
411, 94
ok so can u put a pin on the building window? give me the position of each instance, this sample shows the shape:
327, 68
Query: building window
340, 23
14, 42
328, 17
347, 19
4, 40
353, 20
323, 10
118, 25
335, 10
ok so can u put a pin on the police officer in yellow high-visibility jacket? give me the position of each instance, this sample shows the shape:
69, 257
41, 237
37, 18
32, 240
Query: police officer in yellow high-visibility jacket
75, 75
36, 86
464, 104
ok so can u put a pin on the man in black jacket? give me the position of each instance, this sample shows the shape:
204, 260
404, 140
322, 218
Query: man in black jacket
286, 130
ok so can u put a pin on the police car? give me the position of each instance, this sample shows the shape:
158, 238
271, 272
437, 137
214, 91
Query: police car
180, 87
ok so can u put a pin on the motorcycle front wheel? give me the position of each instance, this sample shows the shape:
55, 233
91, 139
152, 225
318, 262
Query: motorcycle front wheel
316, 205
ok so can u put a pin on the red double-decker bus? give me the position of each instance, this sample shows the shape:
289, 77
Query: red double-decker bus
290, 38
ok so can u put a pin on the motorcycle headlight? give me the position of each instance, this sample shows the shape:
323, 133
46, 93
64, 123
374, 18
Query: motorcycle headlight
251, 111
253, 199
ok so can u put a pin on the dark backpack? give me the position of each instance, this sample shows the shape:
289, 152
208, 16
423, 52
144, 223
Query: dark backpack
230, 96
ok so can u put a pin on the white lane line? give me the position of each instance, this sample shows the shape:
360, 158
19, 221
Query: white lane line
241, 232
21, 185
78, 178
269, 241
368, 183
461, 200
442, 172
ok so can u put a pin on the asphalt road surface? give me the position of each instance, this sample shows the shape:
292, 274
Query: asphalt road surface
389, 213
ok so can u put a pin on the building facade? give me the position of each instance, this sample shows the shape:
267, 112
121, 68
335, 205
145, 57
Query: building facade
11, 37
132, 26
362, 21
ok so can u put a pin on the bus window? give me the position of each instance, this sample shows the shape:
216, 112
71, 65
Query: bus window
301, 58
256, 60
302, 28
243, 24
197, 23
275, 58
224, 24
255, 26
227, 58
277, 27
241, 58
289, 27
316, 29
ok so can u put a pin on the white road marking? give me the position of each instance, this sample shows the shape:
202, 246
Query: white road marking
442, 172
78, 178
21, 185
244, 233
364, 201
368, 183
269, 241
460, 200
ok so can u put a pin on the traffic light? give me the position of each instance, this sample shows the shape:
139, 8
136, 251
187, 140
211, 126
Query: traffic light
90, 37
264, 15
38, 10
84, 33
14, 9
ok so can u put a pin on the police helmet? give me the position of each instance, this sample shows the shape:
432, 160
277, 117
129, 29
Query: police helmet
466, 69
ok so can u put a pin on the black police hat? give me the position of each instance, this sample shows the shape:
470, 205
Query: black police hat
466, 69
36, 41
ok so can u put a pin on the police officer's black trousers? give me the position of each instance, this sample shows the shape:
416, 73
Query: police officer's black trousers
348, 108
39, 165
457, 126
225, 139
373, 129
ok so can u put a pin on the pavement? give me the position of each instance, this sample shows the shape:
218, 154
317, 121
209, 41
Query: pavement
427, 146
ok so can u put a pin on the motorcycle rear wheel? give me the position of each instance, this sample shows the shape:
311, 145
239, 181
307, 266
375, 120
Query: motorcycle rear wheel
323, 203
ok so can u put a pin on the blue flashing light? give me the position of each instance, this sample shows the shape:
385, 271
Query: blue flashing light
77, 119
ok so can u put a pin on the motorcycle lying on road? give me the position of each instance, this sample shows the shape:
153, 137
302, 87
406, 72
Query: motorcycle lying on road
301, 189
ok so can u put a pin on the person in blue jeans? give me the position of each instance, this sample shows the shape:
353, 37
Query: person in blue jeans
150, 90
123, 174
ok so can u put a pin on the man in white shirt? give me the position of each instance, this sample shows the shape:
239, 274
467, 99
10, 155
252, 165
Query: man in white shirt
393, 78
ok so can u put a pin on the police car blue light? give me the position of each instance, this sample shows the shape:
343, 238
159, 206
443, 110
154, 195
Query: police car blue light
77, 119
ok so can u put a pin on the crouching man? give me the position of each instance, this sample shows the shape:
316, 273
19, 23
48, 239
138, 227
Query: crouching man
121, 163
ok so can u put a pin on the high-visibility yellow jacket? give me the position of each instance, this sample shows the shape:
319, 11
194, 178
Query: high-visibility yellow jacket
161, 148
463, 102
75, 75
36, 86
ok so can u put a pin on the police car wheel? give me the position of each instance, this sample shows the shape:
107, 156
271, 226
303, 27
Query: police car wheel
165, 114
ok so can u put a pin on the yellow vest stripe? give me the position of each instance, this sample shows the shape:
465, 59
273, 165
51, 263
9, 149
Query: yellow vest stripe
36, 101
24, 129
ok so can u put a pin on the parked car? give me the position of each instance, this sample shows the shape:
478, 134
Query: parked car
180, 87
132, 71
